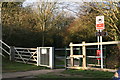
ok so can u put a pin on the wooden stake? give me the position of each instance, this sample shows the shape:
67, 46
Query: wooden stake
84, 55
71, 53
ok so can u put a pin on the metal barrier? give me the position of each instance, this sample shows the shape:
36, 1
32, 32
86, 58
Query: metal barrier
40, 56
5, 48
25, 55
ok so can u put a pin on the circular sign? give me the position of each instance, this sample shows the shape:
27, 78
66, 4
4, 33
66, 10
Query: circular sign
100, 19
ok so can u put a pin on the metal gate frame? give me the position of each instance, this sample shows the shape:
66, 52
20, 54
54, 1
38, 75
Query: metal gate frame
51, 57
24, 55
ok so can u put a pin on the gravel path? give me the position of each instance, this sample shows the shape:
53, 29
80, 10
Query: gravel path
29, 73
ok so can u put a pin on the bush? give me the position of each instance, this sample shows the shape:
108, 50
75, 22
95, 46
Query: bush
113, 58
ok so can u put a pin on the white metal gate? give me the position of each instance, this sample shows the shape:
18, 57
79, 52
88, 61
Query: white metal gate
26, 55
40, 56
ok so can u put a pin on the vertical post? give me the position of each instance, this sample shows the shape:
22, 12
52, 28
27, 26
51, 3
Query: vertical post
66, 58
71, 53
0, 42
12, 53
101, 51
98, 38
104, 63
38, 56
80, 58
84, 54
51, 57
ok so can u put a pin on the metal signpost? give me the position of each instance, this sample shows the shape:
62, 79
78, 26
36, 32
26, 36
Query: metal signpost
99, 28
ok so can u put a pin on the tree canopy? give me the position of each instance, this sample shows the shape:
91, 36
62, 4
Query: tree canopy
47, 24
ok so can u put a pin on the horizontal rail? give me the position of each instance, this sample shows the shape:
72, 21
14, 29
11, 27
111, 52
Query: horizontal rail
61, 49
5, 50
25, 59
44, 65
76, 56
60, 57
26, 55
26, 52
5, 44
23, 55
94, 57
26, 48
92, 44
94, 65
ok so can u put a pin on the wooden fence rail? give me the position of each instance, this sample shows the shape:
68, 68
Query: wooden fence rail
72, 56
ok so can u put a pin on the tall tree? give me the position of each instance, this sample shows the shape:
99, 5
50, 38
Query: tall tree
44, 13
111, 11
18, 24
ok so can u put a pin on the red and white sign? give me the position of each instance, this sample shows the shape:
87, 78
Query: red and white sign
100, 23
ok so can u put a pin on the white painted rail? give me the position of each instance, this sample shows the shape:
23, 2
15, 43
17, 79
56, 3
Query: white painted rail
92, 44
4, 44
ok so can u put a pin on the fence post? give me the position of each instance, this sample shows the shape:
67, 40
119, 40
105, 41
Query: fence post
84, 54
12, 53
80, 61
51, 58
71, 53
66, 58
38, 56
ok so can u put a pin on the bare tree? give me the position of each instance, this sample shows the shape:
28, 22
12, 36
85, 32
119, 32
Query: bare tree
45, 14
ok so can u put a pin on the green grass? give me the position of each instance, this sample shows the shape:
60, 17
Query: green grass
10, 66
90, 73
80, 74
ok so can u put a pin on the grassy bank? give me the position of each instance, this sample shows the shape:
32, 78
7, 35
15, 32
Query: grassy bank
11, 66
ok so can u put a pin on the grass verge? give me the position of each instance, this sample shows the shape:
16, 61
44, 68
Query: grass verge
79, 74
11, 66
89, 73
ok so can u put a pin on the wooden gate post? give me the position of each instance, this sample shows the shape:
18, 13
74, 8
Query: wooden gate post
71, 53
84, 54
12, 53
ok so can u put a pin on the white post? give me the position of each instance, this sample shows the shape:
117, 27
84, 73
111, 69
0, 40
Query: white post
51, 57
38, 56
84, 54
101, 51
71, 53
98, 39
